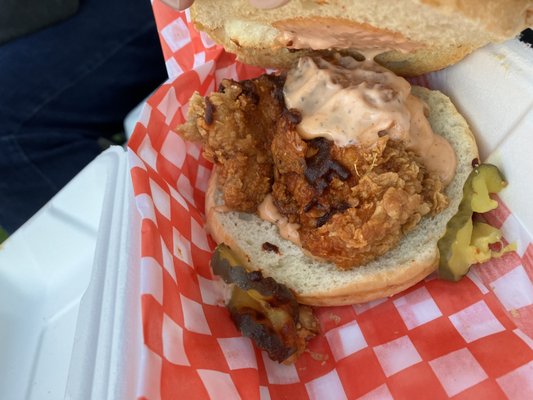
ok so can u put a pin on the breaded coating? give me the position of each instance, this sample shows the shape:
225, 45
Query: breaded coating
352, 220
235, 127
352, 204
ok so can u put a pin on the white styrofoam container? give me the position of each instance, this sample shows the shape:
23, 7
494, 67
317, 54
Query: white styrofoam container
69, 279
69, 309
493, 89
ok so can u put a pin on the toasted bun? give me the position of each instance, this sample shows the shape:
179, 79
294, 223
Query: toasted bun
322, 284
432, 33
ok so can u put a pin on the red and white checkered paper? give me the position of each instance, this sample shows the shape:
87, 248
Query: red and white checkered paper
468, 340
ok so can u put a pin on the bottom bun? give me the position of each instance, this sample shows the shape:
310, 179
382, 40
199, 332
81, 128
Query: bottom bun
320, 283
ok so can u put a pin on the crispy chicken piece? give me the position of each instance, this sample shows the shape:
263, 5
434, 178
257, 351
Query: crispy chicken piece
357, 203
353, 204
235, 127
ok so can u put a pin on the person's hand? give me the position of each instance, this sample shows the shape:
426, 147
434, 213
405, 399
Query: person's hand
178, 4
263, 4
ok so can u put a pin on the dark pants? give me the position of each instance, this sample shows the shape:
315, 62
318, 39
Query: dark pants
63, 88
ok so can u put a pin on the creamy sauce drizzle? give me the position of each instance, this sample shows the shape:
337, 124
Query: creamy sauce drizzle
348, 102
323, 33
269, 212
267, 4
354, 102
436, 152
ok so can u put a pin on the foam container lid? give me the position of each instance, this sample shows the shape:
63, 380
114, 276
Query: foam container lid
493, 89
69, 311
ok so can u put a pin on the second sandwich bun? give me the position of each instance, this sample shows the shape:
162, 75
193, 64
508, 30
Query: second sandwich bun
413, 36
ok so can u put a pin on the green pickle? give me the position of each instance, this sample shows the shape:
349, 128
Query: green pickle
467, 242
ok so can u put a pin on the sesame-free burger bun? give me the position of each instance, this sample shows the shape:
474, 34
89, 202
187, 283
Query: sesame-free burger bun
414, 36
322, 284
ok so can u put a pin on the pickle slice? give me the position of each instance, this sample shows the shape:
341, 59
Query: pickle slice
264, 310
466, 242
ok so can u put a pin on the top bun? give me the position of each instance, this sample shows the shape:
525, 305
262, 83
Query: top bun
413, 37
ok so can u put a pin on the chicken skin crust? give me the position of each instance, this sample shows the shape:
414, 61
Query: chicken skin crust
352, 204
235, 127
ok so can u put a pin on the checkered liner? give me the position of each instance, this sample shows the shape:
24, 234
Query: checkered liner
470, 339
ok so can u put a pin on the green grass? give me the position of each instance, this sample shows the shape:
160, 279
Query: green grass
3, 235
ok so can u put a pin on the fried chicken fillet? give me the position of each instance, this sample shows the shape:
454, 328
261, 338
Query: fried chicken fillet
352, 203
236, 126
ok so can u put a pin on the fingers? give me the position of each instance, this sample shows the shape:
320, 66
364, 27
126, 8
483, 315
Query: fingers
266, 4
178, 4
262, 4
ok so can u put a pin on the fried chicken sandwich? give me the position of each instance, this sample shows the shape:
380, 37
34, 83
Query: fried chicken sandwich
335, 177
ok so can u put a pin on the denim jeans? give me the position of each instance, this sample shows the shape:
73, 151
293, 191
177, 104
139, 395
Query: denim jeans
63, 88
